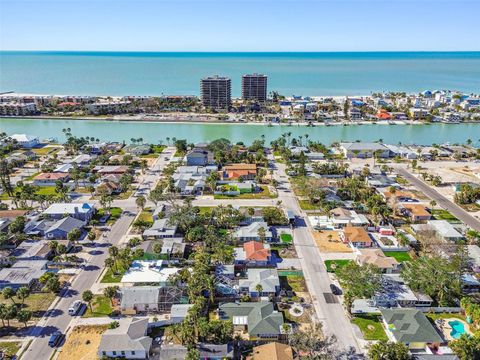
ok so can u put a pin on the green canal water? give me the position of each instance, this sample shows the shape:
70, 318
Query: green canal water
153, 132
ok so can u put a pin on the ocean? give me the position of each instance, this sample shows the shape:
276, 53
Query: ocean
148, 73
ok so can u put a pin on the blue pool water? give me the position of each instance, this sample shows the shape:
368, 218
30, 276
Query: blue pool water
458, 329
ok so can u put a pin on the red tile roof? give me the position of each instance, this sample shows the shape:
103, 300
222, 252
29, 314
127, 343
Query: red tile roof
255, 250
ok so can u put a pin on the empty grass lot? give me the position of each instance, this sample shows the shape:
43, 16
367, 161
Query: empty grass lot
10, 348
101, 307
333, 265
371, 327
440, 214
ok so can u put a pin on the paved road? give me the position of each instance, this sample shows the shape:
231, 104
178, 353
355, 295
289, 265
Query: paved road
441, 200
332, 316
58, 318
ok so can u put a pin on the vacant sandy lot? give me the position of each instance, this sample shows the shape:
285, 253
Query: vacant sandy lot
329, 241
82, 343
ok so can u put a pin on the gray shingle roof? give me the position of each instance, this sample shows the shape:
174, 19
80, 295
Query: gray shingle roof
130, 335
410, 325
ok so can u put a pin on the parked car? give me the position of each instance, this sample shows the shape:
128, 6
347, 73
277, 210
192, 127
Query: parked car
335, 289
55, 339
75, 308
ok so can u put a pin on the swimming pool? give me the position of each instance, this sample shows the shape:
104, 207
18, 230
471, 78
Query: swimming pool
458, 329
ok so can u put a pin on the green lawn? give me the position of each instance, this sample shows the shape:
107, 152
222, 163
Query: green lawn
371, 327
204, 210
46, 190
157, 149
115, 213
10, 348
145, 216
45, 150
333, 265
441, 214
286, 238
263, 194
400, 256
110, 277
293, 282
306, 205
434, 317
101, 306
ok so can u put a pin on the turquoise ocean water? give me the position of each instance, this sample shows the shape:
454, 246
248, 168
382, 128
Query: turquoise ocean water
130, 73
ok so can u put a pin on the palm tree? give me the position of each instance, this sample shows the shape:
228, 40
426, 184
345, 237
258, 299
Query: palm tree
87, 296
259, 289
9, 293
23, 293
110, 292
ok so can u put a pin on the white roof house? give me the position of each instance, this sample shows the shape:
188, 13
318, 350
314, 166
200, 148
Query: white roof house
26, 141
445, 230
83, 211
267, 278
161, 229
148, 272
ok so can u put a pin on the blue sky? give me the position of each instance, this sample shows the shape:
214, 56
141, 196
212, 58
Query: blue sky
248, 25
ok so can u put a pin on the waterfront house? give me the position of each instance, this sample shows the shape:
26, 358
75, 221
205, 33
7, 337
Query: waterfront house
364, 150
25, 141
199, 157
82, 212
411, 327
108, 107
110, 170
354, 113
258, 319
267, 278
356, 236
129, 340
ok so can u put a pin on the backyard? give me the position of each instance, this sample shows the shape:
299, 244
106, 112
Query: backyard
400, 256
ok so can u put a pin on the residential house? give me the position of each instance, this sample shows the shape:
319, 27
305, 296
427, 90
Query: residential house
364, 150
149, 272
376, 257
25, 141
259, 319
199, 157
267, 278
251, 232
272, 351
395, 293
82, 212
380, 181
411, 327
138, 150
341, 217
179, 312
354, 113
416, 212
161, 229
253, 253
356, 236
50, 179
22, 273
61, 228
418, 113
110, 170
129, 340
237, 171
139, 299
442, 228
470, 284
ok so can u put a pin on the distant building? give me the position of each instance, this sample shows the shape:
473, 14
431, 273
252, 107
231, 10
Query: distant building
18, 109
216, 92
254, 87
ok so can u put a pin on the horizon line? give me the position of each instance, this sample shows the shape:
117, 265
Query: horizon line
246, 51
